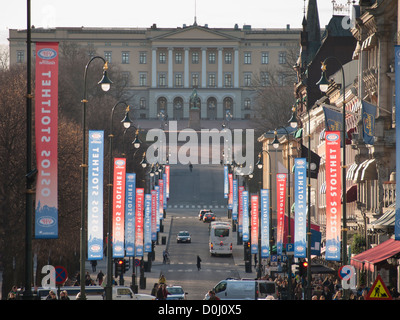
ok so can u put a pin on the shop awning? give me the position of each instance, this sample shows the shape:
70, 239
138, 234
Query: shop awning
385, 221
350, 171
366, 171
351, 194
369, 258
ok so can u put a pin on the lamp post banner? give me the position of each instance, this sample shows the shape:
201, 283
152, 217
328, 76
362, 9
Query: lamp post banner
154, 220
240, 207
245, 195
118, 232
300, 225
264, 199
157, 190
226, 182
235, 200
161, 198
230, 195
139, 222
95, 195
333, 195
397, 101
147, 223
46, 132
254, 224
165, 192
280, 198
130, 195
167, 177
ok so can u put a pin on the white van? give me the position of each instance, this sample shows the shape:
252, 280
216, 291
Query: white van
235, 289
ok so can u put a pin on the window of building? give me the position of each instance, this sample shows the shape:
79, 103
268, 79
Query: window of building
247, 103
143, 57
126, 75
195, 57
247, 58
211, 57
264, 78
195, 79
282, 57
228, 57
228, 80
178, 80
125, 57
162, 80
247, 79
281, 79
211, 80
264, 57
20, 56
178, 57
142, 79
142, 103
108, 56
162, 57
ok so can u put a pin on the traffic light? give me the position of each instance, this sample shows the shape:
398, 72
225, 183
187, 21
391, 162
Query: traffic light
127, 265
303, 267
119, 267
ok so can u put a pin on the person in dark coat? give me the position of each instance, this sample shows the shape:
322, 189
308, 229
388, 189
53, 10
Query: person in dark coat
198, 263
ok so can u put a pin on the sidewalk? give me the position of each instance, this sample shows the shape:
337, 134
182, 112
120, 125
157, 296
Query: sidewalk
153, 276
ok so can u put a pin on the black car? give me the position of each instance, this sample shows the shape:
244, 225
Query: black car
208, 217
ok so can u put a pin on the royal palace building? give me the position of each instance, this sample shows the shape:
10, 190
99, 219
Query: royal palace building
163, 65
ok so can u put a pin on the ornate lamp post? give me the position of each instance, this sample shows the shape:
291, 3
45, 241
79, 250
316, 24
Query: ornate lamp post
105, 83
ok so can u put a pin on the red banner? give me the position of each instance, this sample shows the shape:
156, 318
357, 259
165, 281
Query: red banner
333, 195
139, 222
230, 195
46, 132
161, 198
280, 200
118, 232
254, 224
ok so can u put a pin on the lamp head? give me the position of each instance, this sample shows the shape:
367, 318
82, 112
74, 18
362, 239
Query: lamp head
259, 163
323, 82
105, 81
275, 143
126, 120
293, 119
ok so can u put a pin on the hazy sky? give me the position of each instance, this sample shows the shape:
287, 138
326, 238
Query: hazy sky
165, 13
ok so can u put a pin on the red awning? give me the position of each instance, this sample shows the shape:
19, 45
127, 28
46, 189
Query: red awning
383, 251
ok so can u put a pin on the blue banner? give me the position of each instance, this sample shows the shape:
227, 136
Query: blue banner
95, 195
334, 122
235, 200
300, 209
246, 236
397, 95
264, 199
368, 122
130, 194
226, 182
147, 223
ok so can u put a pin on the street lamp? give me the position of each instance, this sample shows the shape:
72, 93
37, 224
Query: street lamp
275, 144
259, 165
105, 83
323, 84
136, 142
127, 123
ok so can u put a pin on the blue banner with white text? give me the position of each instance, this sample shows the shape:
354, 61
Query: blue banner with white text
246, 236
147, 223
264, 199
300, 211
226, 182
368, 121
95, 195
130, 193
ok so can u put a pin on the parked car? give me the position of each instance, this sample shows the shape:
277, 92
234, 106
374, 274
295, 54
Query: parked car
183, 236
208, 217
202, 212
176, 293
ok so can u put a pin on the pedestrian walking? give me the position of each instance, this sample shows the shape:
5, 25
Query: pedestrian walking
94, 264
51, 296
198, 263
100, 277
64, 295
190, 167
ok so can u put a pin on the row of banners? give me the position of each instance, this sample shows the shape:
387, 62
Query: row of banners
136, 215
238, 202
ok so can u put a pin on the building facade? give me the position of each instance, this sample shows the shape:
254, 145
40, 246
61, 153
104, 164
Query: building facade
163, 65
